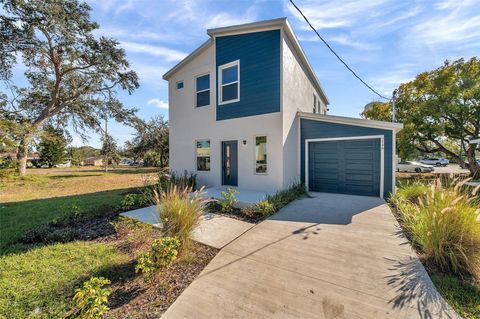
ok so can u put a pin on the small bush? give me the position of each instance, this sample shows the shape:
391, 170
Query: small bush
263, 208
229, 199
273, 203
180, 211
163, 253
167, 181
92, 298
444, 223
133, 201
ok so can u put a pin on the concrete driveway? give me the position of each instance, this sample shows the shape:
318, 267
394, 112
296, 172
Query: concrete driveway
330, 256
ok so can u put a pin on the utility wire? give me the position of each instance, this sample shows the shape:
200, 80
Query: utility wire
338, 57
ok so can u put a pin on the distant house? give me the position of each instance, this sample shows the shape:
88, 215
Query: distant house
475, 141
93, 161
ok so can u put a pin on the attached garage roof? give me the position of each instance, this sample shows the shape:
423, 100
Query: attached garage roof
351, 121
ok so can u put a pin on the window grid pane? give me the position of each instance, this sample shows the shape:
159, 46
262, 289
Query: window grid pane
230, 74
203, 155
230, 92
203, 82
203, 98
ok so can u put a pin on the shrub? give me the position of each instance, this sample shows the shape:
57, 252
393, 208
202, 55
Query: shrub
444, 223
91, 299
229, 199
263, 208
163, 253
133, 201
273, 203
180, 211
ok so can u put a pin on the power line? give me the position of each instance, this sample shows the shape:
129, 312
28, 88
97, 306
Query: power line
338, 57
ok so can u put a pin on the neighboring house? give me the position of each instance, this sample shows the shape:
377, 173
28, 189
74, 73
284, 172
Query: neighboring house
93, 161
475, 141
246, 109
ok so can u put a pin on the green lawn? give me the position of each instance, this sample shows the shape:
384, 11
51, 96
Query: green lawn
463, 297
39, 283
18, 217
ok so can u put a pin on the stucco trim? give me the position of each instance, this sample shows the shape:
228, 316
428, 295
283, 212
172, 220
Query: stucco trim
382, 154
351, 121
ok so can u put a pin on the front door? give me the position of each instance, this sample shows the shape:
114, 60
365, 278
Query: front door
229, 163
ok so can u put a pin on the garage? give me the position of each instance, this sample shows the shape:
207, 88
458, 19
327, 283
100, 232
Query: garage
347, 155
345, 166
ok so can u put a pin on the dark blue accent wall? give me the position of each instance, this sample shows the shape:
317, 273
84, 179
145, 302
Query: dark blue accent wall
318, 129
259, 55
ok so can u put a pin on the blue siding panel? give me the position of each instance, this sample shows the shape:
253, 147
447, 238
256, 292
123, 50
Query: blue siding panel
317, 129
259, 55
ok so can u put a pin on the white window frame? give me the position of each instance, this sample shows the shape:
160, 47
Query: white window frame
176, 85
196, 155
255, 154
196, 92
220, 85
382, 155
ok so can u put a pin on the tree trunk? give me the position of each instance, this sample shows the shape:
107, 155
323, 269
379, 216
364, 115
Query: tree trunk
22, 154
472, 165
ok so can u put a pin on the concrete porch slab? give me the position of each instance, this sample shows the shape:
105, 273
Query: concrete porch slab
213, 230
245, 197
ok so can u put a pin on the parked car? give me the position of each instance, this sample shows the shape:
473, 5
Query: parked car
414, 167
437, 161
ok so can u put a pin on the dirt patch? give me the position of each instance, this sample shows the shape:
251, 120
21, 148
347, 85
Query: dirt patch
243, 214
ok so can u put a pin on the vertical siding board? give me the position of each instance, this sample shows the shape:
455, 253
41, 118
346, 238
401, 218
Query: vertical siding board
259, 55
317, 129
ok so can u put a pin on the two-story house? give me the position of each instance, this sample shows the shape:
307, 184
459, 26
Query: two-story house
246, 109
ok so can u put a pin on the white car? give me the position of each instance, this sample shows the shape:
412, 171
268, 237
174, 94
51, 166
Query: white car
414, 167
437, 161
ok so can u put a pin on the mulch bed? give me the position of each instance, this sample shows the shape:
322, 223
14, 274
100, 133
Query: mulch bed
236, 213
132, 296
139, 298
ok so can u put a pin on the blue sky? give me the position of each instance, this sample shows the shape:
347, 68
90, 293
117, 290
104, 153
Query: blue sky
387, 42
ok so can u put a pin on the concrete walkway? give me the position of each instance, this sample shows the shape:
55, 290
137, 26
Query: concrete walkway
213, 230
331, 256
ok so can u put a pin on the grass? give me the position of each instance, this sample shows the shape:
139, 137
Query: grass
39, 283
55, 182
17, 218
48, 194
463, 297
442, 221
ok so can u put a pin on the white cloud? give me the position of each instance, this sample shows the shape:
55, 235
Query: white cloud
167, 53
347, 40
161, 104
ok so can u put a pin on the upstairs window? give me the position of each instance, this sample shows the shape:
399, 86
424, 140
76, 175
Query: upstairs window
314, 103
179, 85
229, 82
202, 90
261, 154
319, 107
203, 155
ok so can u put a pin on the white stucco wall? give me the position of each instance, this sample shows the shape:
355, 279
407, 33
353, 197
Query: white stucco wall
188, 124
297, 95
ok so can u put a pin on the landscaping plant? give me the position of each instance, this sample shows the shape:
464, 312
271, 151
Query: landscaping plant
229, 199
444, 223
92, 298
163, 253
273, 203
180, 210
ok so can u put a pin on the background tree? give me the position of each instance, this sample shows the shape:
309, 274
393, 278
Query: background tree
109, 151
72, 75
441, 106
52, 146
151, 136
440, 111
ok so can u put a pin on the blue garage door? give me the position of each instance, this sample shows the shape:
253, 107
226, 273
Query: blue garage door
345, 167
